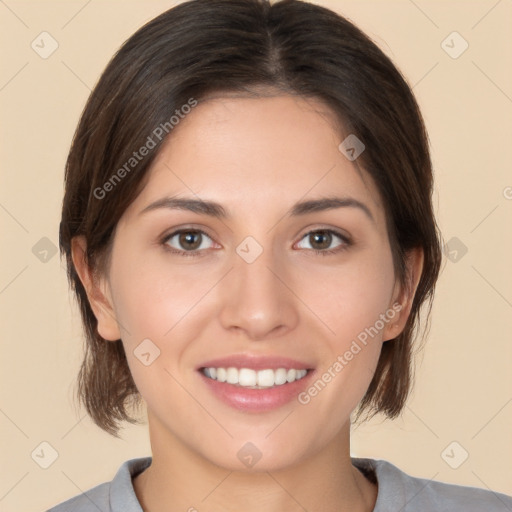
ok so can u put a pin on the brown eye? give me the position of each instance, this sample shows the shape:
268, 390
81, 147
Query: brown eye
187, 241
190, 240
321, 241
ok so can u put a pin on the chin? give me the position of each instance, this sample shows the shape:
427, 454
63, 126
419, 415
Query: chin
259, 454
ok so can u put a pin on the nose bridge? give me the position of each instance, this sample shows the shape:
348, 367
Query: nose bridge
257, 300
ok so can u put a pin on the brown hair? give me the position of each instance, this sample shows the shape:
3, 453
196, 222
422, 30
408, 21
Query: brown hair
201, 46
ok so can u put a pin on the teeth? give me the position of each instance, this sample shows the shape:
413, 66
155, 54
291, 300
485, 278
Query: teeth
266, 378
254, 379
232, 376
280, 376
221, 374
290, 376
246, 377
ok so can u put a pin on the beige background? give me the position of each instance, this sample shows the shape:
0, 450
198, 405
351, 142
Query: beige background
463, 391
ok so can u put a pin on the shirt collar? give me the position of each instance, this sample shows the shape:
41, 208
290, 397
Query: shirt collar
122, 493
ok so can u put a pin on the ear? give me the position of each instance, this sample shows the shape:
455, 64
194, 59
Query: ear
98, 291
403, 294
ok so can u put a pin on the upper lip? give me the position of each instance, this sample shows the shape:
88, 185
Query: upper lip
255, 362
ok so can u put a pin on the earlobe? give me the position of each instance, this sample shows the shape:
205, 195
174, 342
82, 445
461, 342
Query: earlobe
404, 294
97, 292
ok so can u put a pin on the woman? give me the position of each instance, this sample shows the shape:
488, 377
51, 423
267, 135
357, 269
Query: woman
250, 257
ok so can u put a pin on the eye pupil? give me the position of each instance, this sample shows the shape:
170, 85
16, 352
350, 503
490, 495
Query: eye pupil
187, 238
319, 235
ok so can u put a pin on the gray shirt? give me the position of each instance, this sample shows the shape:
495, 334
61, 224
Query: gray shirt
397, 492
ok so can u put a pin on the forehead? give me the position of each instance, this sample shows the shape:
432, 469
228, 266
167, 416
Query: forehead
256, 154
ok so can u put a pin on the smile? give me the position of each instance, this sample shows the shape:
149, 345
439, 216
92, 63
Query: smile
254, 379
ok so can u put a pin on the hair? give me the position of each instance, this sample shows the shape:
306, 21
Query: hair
243, 46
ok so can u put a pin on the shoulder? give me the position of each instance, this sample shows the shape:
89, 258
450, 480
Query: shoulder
115, 496
408, 493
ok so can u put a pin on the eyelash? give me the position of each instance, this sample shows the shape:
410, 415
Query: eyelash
346, 242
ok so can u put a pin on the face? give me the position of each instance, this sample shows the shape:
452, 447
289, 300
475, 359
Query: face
268, 287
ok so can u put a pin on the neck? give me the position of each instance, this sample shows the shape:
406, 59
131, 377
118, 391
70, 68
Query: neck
179, 479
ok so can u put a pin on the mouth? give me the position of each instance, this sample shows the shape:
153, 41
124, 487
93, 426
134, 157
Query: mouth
255, 383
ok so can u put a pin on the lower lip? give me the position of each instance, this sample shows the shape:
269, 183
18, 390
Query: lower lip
257, 400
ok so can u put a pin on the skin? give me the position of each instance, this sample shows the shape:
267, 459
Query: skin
257, 157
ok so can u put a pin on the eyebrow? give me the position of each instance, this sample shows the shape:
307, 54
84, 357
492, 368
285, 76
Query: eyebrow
214, 209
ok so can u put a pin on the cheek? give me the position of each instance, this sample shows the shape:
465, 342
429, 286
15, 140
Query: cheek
162, 310
353, 297
354, 304
152, 299
157, 308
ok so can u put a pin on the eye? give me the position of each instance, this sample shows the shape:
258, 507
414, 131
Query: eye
189, 241
322, 239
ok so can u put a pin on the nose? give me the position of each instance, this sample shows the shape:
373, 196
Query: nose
258, 298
